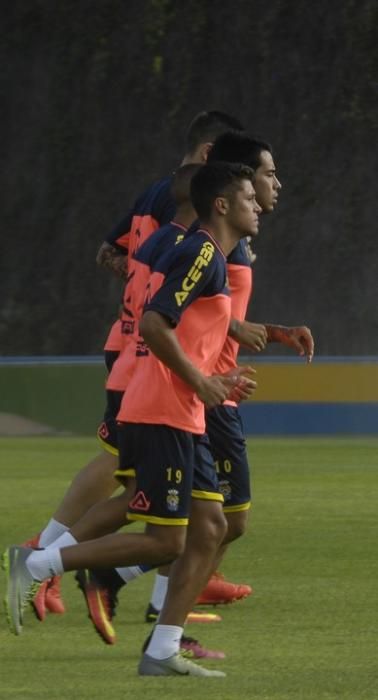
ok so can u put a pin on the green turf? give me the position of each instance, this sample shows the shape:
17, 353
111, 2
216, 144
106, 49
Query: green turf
308, 633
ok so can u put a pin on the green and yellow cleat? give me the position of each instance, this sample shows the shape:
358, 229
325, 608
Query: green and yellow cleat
21, 586
175, 665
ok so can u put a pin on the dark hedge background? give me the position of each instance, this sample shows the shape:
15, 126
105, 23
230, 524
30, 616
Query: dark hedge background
95, 99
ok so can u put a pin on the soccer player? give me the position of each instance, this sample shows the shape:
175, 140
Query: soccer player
165, 238
185, 325
101, 590
154, 208
223, 423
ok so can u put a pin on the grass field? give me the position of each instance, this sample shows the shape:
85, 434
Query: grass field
309, 632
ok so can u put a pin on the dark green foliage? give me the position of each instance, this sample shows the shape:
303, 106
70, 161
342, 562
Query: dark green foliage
97, 96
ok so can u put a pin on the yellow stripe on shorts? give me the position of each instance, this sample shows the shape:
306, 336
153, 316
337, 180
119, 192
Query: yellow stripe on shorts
207, 495
154, 520
108, 448
238, 508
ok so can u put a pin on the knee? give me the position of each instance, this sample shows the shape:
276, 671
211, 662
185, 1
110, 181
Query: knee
237, 524
169, 545
172, 550
214, 529
221, 526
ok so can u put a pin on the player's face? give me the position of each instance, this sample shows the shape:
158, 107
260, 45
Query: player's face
266, 184
244, 210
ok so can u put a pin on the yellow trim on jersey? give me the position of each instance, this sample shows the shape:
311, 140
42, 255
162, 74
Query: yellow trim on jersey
108, 448
124, 472
236, 509
207, 495
154, 520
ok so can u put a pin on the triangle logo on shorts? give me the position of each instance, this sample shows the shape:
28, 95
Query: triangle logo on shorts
103, 430
140, 502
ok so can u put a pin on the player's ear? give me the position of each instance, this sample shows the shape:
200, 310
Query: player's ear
221, 205
205, 150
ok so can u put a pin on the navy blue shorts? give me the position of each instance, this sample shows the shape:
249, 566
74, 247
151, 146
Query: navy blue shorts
107, 431
228, 446
205, 478
170, 466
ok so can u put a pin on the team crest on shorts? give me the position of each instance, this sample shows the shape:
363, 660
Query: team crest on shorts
173, 500
225, 489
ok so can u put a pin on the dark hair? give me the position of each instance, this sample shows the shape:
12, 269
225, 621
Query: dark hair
180, 188
234, 147
206, 126
214, 180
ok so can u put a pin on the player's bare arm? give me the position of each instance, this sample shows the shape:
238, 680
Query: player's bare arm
297, 337
112, 259
250, 335
162, 341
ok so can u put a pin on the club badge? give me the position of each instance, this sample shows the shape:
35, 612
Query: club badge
173, 500
225, 489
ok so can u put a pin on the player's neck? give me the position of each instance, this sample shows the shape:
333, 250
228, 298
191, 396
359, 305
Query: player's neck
185, 215
197, 157
226, 237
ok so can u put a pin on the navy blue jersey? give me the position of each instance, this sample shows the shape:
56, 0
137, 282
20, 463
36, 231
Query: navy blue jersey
194, 268
141, 264
241, 254
160, 242
153, 208
188, 287
136, 289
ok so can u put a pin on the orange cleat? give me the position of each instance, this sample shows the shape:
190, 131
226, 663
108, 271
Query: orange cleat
39, 602
48, 597
218, 591
53, 600
100, 589
33, 542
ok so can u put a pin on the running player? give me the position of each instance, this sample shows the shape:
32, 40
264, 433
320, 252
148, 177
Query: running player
166, 397
223, 423
154, 208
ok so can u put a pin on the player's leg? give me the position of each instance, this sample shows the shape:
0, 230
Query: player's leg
228, 447
207, 528
93, 483
158, 594
162, 500
229, 450
151, 449
189, 573
26, 568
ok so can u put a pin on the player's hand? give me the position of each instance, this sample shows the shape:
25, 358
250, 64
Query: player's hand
251, 335
110, 258
246, 383
216, 389
297, 337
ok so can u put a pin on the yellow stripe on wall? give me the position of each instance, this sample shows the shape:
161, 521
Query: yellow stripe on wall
333, 382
